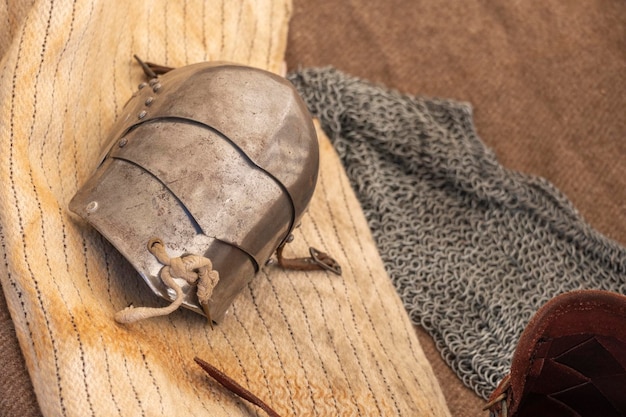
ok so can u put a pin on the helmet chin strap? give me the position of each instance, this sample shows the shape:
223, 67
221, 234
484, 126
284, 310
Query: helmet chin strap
317, 261
194, 269
152, 70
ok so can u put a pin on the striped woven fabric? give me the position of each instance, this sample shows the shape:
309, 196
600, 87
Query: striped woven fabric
307, 343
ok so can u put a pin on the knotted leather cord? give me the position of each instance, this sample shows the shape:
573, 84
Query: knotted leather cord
194, 269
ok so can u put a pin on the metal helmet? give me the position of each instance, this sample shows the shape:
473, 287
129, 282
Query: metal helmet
214, 159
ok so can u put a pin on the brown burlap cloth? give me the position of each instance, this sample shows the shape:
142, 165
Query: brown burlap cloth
546, 81
308, 343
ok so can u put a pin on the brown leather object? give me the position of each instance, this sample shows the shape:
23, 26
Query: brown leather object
570, 360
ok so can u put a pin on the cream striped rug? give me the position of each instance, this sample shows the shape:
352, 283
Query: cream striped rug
307, 343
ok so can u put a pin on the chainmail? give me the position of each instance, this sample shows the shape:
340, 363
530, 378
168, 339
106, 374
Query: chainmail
473, 249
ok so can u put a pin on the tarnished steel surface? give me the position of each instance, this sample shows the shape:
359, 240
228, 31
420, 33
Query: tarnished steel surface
258, 111
226, 195
217, 160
